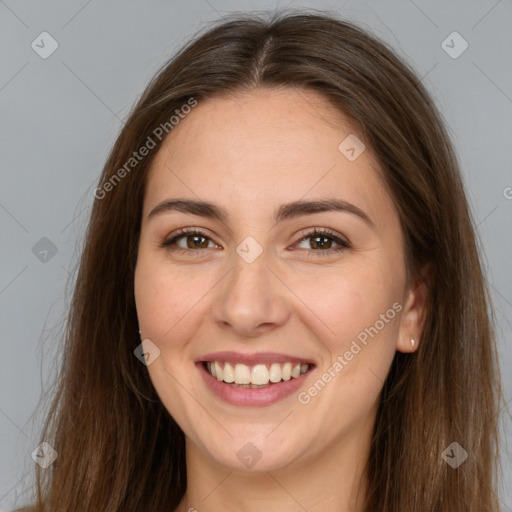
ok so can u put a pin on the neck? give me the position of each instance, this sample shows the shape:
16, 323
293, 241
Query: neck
332, 480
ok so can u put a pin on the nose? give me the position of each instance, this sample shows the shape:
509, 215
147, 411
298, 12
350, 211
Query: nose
251, 300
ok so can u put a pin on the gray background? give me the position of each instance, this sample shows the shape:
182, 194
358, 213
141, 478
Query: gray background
60, 116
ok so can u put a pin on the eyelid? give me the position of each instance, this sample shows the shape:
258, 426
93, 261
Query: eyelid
183, 233
311, 232
342, 242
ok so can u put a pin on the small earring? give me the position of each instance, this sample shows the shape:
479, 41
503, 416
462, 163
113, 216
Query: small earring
412, 341
140, 333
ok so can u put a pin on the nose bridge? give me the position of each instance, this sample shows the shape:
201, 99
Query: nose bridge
251, 296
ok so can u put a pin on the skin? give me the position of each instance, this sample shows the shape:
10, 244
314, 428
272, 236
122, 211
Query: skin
249, 154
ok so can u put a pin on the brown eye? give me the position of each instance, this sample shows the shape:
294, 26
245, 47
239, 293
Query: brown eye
194, 239
321, 242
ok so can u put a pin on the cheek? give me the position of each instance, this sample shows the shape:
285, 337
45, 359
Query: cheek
359, 312
343, 302
167, 298
168, 303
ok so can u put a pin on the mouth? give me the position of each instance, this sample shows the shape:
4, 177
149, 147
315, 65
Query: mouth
256, 380
258, 376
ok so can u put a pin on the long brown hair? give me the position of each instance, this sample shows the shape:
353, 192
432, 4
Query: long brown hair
119, 448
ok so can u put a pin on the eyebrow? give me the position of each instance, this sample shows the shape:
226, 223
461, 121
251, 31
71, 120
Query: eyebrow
284, 212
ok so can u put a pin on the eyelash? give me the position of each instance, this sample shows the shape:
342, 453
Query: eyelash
317, 232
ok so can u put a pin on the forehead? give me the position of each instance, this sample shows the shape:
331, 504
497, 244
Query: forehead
264, 145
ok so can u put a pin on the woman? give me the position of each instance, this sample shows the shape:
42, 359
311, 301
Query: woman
280, 302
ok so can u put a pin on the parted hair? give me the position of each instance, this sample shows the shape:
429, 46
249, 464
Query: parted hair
120, 449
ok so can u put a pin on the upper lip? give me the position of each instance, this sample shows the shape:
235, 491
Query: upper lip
253, 359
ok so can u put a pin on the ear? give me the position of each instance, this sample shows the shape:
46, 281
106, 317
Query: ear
414, 312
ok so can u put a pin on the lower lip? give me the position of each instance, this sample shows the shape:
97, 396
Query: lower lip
256, 397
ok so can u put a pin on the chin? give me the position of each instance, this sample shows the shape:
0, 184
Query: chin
253, 454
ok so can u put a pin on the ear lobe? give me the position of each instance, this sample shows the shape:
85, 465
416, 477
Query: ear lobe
414, 313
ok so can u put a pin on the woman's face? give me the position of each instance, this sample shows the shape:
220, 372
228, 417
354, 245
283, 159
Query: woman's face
259, 290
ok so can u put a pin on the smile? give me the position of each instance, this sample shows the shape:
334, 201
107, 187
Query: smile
256, 376
253, 380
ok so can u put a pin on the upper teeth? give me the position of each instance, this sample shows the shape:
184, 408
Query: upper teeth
259, 374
